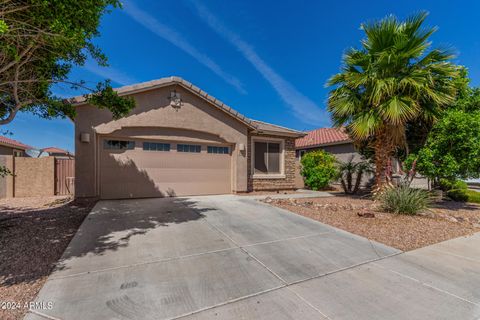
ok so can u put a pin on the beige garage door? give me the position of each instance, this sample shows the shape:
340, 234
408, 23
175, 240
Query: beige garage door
141, 169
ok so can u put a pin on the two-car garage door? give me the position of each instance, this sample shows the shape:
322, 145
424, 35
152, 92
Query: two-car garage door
140, 168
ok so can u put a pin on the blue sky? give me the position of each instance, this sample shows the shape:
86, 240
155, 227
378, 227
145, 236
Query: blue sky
267, 59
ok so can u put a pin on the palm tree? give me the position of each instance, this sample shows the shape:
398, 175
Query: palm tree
392, 79
348, 170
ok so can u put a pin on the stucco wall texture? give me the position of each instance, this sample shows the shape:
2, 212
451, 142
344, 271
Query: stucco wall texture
34, 176
6, 183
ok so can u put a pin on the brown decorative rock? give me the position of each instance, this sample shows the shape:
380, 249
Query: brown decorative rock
366, 214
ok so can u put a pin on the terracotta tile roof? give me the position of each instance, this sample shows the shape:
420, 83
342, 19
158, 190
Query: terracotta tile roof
55, 150
322, 136
14, 143
150, 85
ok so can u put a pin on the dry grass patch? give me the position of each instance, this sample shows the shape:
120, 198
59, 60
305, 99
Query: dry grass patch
34, 233
446, 220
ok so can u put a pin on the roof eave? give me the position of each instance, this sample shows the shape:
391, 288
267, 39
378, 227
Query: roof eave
16, 146
324, 144
280, 133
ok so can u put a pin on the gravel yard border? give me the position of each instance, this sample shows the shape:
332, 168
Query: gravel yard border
34, 233
444, 221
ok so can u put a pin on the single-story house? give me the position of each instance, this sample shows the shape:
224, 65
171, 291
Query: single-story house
179, 140
10, 147
333, 140
56, 152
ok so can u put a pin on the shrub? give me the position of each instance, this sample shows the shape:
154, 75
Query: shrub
318, 169
456, 189
473, 196
404, 200
447, 184
458, 195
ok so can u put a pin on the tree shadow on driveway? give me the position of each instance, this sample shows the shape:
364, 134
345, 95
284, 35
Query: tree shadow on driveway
34, 240
113, 223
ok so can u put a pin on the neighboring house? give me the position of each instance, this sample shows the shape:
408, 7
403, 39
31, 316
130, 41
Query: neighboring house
56, 152
10, 147
9, 151
337, 142
332, 140
179, 140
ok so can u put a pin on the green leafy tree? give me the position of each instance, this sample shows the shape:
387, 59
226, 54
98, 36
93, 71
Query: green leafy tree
452, 149
318, 169
40, 42
467, 99
392, 79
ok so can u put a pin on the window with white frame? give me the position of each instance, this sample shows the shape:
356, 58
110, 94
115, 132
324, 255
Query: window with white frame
267, 157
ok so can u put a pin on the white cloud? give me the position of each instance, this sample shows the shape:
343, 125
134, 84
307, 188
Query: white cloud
170, 35
302, 107
111, 73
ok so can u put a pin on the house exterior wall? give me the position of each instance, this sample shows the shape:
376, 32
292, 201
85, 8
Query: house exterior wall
342, 152
285, 183
155, 118
6, 151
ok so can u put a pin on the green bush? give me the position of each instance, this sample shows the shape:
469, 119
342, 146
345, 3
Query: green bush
458, 195
404, 200
318, 169
473, 196
455, 189
447, 184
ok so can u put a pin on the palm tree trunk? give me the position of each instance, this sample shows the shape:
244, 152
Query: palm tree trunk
358, 181
349, 182
383, 151
344, 186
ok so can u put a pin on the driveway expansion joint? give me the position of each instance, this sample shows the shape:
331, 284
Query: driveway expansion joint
425, 284
46, 316
287, 284
454, 254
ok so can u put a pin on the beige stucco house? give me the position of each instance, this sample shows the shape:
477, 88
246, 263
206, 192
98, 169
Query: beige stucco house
10, 147
179, 140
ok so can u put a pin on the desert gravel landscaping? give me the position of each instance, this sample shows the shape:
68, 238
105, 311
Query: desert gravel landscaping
34, 232
444, 221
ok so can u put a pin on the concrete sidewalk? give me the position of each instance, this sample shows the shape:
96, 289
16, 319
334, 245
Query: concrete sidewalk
236, 258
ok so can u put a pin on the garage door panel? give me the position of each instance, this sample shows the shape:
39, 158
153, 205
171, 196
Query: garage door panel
182, 160
138, 173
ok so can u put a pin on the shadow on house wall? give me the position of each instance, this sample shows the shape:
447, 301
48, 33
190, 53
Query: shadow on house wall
120, 178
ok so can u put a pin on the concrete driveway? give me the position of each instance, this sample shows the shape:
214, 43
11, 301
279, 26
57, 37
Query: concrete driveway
229, 257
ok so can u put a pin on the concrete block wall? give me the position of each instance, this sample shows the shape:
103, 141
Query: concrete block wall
32, 177
6, 183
